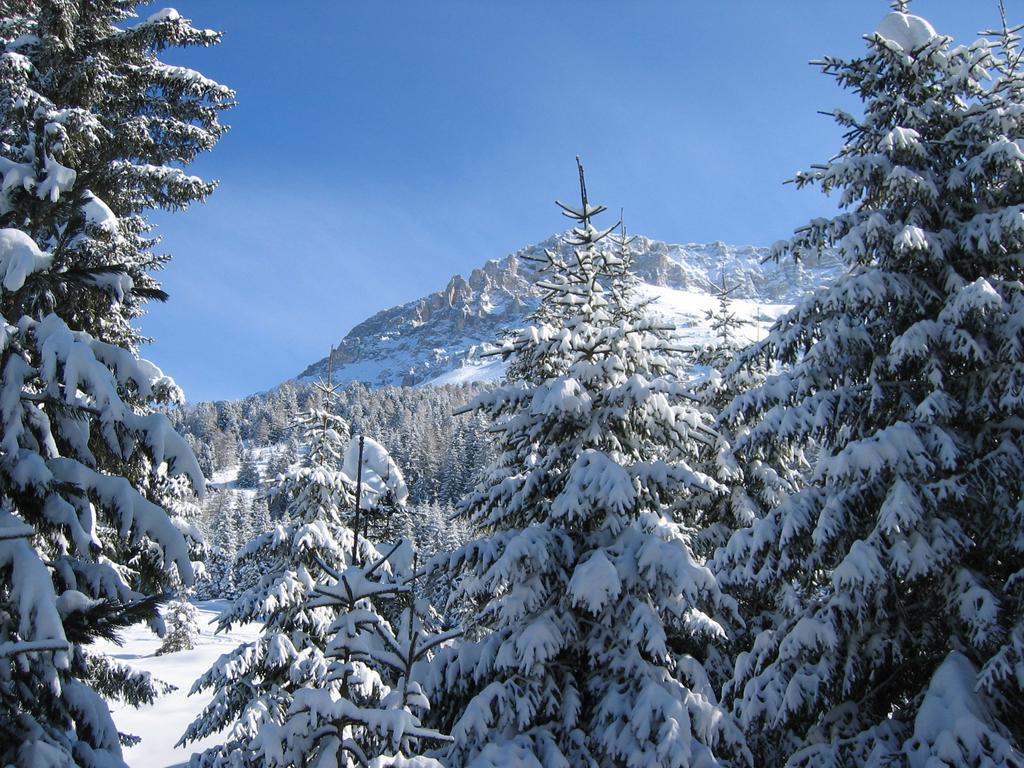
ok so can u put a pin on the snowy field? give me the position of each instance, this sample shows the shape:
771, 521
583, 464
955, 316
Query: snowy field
161, 724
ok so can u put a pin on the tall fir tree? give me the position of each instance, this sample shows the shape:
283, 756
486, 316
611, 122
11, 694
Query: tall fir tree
590, 618
896, 573
94, 129
254, 685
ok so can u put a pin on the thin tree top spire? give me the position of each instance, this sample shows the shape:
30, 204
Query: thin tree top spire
1008, 39
583, 183
623, 239
326, 386
586, 211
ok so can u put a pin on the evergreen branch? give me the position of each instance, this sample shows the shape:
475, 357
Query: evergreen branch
437, 640
327, 569
24, 531
384, 559
13, 648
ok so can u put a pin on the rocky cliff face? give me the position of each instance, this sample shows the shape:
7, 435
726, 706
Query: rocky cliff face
698, 267
439, 338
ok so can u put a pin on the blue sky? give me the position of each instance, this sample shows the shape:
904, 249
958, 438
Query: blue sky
379, 147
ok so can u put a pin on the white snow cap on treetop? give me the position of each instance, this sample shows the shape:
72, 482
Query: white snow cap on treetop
907, 31
380, 473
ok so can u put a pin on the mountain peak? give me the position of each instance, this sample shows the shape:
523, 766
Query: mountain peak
438, 338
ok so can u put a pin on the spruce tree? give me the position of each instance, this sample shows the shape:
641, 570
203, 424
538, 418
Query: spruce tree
752, 485
182, 628
221, 544
726, 326
381, 493
248, 472
895, 573
247, 571
589, 616
240, 511
371, 717
319, 686
94, 129
254, 685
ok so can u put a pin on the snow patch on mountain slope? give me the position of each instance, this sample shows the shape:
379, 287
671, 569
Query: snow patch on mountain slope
471, 371
688, 310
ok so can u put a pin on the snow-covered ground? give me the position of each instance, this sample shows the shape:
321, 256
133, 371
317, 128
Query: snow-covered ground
162, 724
470, 371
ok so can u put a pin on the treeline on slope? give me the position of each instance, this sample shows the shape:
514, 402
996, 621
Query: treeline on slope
440, 455
248, 443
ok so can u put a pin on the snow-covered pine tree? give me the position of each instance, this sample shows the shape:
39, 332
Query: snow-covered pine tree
437, 529
220, 537
260, 515
285, 406
753, 486
285, 455
589, 615
372, 716
254, 685
247, 571
182, 627
897, 572
248, 471
240, 510
390, 520
177, 497
996, 127
93, 132
726, 325
203, 452
285, 458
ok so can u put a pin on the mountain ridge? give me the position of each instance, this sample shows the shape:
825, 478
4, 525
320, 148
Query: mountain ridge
438, 338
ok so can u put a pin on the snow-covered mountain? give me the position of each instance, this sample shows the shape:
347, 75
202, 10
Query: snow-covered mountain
439, 339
